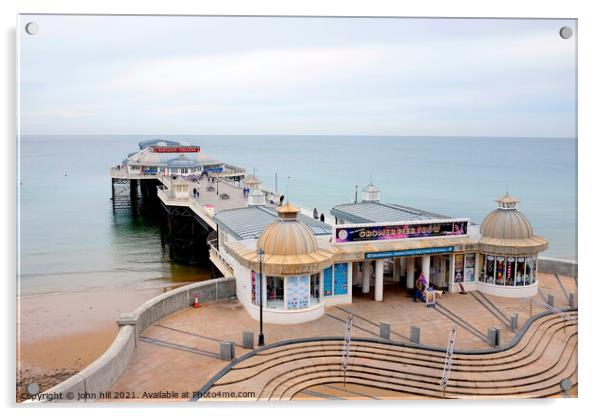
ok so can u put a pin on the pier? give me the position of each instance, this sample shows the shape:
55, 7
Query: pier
190, 188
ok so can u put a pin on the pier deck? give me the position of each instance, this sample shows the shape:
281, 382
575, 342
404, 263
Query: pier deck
207, 202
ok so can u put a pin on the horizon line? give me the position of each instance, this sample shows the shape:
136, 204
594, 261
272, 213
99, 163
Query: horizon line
300, 134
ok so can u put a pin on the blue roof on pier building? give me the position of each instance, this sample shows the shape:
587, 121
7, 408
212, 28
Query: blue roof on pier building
157, 142
376, 212
182, 162
249, 222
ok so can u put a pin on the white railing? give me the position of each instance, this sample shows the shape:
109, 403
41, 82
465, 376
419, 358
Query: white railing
214, 252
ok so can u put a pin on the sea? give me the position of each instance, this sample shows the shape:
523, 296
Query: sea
71, 239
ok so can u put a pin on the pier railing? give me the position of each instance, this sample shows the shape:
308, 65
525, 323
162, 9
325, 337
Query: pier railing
219, 260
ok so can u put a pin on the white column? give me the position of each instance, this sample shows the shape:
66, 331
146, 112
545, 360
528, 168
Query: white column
410, 272
452, 272
426, 268
366, 274
379, 276
396, 269
350, 278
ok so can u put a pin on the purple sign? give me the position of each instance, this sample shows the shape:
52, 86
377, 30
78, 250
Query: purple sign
352, 234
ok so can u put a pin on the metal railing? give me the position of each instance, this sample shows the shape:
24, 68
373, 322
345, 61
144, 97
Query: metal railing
567, 317
214, 251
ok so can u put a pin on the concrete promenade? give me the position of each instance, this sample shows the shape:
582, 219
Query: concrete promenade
180, 351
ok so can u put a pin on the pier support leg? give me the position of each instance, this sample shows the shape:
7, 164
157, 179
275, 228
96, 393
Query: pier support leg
366, 277
379, 277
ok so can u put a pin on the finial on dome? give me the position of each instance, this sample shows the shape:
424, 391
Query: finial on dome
507, 202
288, 212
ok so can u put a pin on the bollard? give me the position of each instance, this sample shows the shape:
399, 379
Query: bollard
415, 335
493, 336
572, 300
385, 330
248, 338
226, 350
551, 300
514, 321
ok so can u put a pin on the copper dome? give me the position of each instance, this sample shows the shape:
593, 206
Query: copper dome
508, 231
287, 236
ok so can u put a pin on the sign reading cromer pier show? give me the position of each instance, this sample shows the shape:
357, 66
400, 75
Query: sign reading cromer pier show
352, 233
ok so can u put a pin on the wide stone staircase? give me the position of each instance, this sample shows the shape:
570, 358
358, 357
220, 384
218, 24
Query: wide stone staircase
533, 366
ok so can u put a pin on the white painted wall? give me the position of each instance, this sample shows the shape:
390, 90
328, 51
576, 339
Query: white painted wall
508, 291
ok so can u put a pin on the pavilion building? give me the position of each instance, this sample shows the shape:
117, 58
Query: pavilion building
309, 264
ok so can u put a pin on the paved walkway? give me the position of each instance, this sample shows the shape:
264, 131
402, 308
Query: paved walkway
179, 352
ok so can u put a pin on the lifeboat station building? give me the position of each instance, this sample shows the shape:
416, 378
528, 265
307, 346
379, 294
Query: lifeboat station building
304, 264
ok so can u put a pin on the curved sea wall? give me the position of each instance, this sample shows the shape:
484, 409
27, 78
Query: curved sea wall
562, 267
99, 376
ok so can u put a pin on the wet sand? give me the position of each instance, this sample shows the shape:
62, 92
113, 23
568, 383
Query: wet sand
60, 334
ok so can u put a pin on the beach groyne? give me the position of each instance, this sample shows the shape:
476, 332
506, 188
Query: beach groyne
94, 381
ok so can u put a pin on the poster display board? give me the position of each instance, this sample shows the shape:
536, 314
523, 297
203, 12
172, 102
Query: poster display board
292, 292
328, 281
297, 292
469, 267
459, 268
254, 290
340, 279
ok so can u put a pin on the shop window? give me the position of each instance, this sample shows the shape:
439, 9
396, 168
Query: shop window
510, 268
340, 279
254, 290
469, 267
490, 270
314, 289
483, 267
328, 281
275, 292
500, 271
297, 292
520, 272
528, 271
459, 268
534, 272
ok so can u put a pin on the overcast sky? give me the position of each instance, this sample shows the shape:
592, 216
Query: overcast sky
208, 75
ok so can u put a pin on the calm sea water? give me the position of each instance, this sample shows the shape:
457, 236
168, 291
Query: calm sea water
70, 238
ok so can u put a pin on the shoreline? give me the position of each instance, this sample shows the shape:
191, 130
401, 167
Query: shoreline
58, 335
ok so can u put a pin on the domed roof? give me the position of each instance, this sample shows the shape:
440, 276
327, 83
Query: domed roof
508, 230
287, 236
506, 223
181, 162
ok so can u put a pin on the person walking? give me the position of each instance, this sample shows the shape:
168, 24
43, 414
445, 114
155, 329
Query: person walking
419, 287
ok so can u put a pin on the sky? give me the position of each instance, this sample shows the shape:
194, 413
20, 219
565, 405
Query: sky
348, 76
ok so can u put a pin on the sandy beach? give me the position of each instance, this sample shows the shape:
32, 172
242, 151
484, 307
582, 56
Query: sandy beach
60, 334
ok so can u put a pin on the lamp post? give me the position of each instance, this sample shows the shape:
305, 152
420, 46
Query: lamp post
217, 184
260, 257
